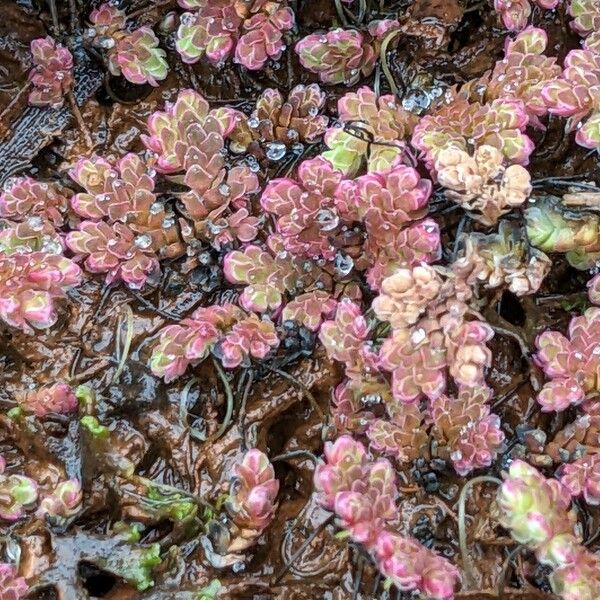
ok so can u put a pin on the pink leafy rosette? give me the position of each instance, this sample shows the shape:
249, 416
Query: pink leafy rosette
52, 73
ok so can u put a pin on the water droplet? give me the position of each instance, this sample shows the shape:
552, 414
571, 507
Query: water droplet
327, 220
418, 335
106, 43
298, 148
204, 258
143, 241
168, 222
276, 151
343, 264
189, 19
35, 223
370, 399
52, 246
111, 243
156, 208
224, 189
252, 164
292, 134
253, 122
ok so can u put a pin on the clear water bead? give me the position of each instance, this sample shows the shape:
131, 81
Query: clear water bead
276, 151
143, 241
188, 19
343, 264
418, 335
327, 220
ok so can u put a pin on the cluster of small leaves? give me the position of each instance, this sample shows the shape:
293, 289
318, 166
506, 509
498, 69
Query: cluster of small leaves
571, 362
34, 273
18, 494
252, 497
515, 13
574, 95
134, 54
252, 31
481, 184
373, 222
502, 259
25, 197
586, 21
52, 73
12, 587
272, 273
363, 493
57, 398
126, 228
279, 123
537, 512
63, 502
521, 74
434, 333
343, 55
30, 284
373, 130
552, 228
227, 331
188, 145
467, 125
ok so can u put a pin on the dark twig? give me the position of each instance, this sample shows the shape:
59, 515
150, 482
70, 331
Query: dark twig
340, 11
302, 387
462, 525
54, 13
296, 454
145, 9
359, 574
169, 490
229, 399
505, 567
385, 65
242, 411
80, 122
159, 311
565, 182
300, 550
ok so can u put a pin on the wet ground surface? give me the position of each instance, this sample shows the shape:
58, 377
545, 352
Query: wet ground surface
146, 413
